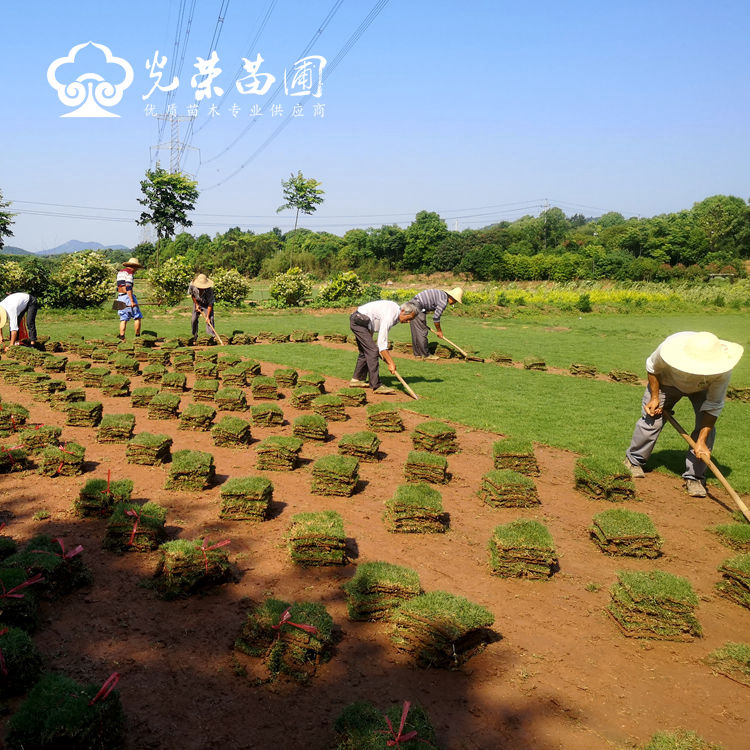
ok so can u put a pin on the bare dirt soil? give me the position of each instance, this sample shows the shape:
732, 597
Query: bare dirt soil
561, 675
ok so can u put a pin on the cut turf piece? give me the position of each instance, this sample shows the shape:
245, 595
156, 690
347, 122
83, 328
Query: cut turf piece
303, 396
246, 498
739, 393
148, 449
734, 535
230, 399
303, 337
331, 407
22, 662
534, 363
13, 459
352, 396
278, 453
156, 357
361, 726
241, 338
317, 539
624, 532
362, 445
264, 388
278, 338
679, 739
515, 454
267, 415
231, 432
97, 496
154, 372
415, 509
422, 466
116, 385
234, 376
582, 370
65, 461
624, 376
378, 588
185, 566
12, 417
336, 338
197, 417
115, 428
733, 661
84, 414
655, 605
435, 437
75, 368
61, 713
173, 382
384, 418
141, 397
225, 361
62, 399
206, 355
164, 406
310, 427
503, 488
439, 629
126, 365
603, 479
182, 361
501, 358
33, 439
335, 475
54, 364
205, 389
206, 370
735, 583
251, 368
190, 471
136, 528
522, 549
314, 380
11, 371
285, 378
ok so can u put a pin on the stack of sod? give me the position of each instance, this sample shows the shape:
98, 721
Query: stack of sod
679, 739
534, 363
422, 466
22, 612
157, 357
313, 380
230, 399
336, 338
197, 417
38, 384
100, 355
12, 417
62, 399
188, 565
173, 382
206, 370
517, 455
61, 713
182, 360
362, 445
251, 368
264, 387
582, 370
733, 661
739, 393
153, 373
95, 499
440, 629
522, 549
246, 498
278, 338
242, 339
33, 439
126, 365
603, 479
303, 396
384, 418
13, 459
231, 432
139, 528
335, 475
116, 385
148, 449
278, 453
190, 470
654, 605
267, 415
734, 535
204, 339
735, 583
331, 407
353, 396
310, 427
226, 361
66, 461
303, 337
435, 437
317, 539
503, 488
123, 348
12, 371
501, 358
624, 376
74, 369
164, 406
624, 532
115, 428
92, 378
361, 726
205, 389
295, 646
285, 378
378, 588
235, 375
22, 662
141, 397
415, 509
51, 346
54, 364
206, 356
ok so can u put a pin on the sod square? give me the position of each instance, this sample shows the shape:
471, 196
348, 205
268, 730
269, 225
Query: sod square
436, 437
154, 372
733, 661
522, 549
115, 385
384, 418
66, 461
581, 370
617, 531
141, 397
241, 338
310, 427
75, 368
13, 459
734, 535
517, 455
84, 414
267, 415
501, 358
361, 726
190, 470
285, 378
115, 428
303, 337
225, 361
12, 371
735, 583
197, 417
92, 378
206, 370
378, 588
148, 449
156, 357
126, 365
603, 479
317, 539
205, 389
54, 364
33, 439
186, 566
415, 509
314, 380
62, 399
422, 466
352, 396
231, 432
182, 361
335, 475
264, 387
235, 376
97, 496
503, 488
624, 376
12, 417
362, 445
206, 355
135, 528
303, 396
100, 355
336, 338
22, 662
534, 363
164, 406
230, 399
173, 382
246, 498
331, 407
278, 453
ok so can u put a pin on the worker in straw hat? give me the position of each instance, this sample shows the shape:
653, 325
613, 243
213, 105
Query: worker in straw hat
18, 310
130, 309
696, 365
434, 301
201, 290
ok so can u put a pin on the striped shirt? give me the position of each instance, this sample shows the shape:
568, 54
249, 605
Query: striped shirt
432, 299
383, 315
124, 279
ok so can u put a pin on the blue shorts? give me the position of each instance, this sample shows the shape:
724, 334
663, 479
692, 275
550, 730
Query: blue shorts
129, 313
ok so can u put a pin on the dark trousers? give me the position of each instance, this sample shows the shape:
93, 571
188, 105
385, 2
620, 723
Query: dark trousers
368, 361
197, 315
419, 331
30, 313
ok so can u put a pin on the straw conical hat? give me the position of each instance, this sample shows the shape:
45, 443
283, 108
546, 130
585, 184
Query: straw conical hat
133, 262
457, 293
201, 281
700, 353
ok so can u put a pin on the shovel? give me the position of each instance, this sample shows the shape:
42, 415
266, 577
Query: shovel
406, 386
737, 499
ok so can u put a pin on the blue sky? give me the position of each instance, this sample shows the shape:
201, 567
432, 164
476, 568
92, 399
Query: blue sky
478, 110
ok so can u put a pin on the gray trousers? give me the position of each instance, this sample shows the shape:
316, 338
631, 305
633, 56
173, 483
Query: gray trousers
197, 316
368, 360
647, 430
419, 331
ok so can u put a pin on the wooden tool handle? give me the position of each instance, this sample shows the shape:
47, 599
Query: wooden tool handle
406, 386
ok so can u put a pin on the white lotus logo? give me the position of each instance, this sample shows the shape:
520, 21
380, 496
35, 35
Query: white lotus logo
90, 92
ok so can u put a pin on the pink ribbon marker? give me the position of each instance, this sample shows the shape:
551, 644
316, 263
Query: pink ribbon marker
133, 514
205, 549
400, 737
12, 594
107, 687
286, 620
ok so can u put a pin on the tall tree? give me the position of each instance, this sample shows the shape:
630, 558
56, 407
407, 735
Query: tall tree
305, 195
6, 219
168, 197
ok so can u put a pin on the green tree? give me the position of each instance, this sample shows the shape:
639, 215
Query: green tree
170, 282
423, 236
6, 219
302, 194
168, 197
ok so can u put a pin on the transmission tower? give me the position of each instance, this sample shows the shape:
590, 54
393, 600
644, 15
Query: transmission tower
177, 148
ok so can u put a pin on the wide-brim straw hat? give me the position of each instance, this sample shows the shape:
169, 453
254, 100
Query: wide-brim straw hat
3, 316
201, 281
457, 293
700, 353
133, 263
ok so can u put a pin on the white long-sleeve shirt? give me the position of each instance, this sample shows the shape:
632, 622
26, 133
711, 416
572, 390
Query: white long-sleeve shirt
383, 315
15, 305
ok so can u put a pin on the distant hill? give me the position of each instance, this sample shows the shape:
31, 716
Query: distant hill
10, 250
74, 246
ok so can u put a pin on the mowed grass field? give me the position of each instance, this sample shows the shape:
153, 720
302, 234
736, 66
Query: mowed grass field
585, 416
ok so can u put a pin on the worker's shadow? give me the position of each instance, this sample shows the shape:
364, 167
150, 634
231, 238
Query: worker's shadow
674, 460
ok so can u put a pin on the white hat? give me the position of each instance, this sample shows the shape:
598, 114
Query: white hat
201, 281
134, 262
457, 293
700, 353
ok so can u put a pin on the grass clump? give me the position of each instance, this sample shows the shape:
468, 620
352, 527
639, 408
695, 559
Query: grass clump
317, 539
185, 566
384, 418
97, 496
581, 370
416, 509
603, 479
133, 527
522, 549
115, 428
246, 498
679, 739
190, 470
617, 531
267, 415
435, 437
310, 427
148, 449
378, 588
504, 488
515, 454
362, 445
422, 466
734, 535
335, 475
733, 661
197, 417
